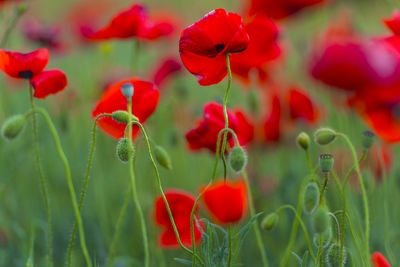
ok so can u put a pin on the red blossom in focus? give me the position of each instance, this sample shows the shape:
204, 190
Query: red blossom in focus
181, 204
48, 82
205, 134
226, 201
378, 260
165, 69
203, 45
393, 23
144, 102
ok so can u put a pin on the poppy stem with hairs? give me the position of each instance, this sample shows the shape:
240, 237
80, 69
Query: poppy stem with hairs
42, 180
69, 180
85, 183
134, 191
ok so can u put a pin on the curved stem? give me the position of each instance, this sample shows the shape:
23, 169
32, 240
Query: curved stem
42, 180
10, 27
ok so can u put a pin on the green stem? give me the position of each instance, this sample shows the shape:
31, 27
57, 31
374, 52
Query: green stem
322, 195
319, 252
308, 161
42, 180
229, 246
10, 28
30, 261
228, 66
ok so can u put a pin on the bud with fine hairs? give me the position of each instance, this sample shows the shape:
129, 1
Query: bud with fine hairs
321, 220
237, 159
311, 197
122, 116
270, 221
325, 238
163, 157
125, 150
333, 256
303, 140
13, 126
324, 136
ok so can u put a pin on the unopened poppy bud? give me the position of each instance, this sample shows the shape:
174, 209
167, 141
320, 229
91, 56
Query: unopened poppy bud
303, 140
21, 9
333, 256
13, 126
123, 116
367, 139
270, 221
324, 136
124, 150
311, 197
320, 220
237, 159
324, 238
162, 157
326, 162
127, 90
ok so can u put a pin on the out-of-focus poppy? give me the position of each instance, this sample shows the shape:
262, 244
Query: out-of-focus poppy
272, 123
226, 201
48, 36
181, 204
205, 134
301, 106
263, 48
378, 260
144, 102
380, 160
204, 44
393, 23
48, 82
165, 69
23, 65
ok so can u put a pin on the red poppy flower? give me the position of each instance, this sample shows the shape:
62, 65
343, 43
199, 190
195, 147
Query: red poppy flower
226, 201
166, 68
378, 260
393, 23
181, 204
48, 36
262, 49
48, 82
203, 45
158, 26
272, 123
301, 106
205, 135
144, 102
23, 65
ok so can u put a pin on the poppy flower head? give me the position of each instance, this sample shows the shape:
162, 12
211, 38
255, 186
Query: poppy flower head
144, 102
272, 123
48, 36
203, 45
393, 23
48, 82
181, 204
226, 201
23, 65
378, 260
166, 68
301, 106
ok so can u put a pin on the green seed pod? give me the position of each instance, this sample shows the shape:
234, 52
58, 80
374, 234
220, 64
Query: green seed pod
127, 90
311, 197
333, 256
303, 140
367, 139
237, 159
326, 162
13, 126
321, 220
270, 221
326, 238
125, 150
123, 116
162, 157
324, 136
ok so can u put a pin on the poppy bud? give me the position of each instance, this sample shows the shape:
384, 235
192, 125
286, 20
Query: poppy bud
127, 90
320, 220
324, 136
237, 159
162, 157
13, 126
333, 256
326, 162
367, 139
325, 238
311, 197
21, 9
303, 140
124, 150
270, 221
123, 116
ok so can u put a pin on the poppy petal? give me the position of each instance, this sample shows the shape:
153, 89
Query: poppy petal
48, 82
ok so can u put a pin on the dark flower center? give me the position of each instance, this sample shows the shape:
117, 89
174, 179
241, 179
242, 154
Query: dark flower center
219, 47
26, 74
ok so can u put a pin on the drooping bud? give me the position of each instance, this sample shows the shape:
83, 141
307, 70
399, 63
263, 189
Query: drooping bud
311, 197
324, 136
326, 162
13, 126
325, 238
367, 139
303, 140
320, 220
237, 159
123, 116
124, 150
270, 221
162, 157
127, 90
333, 256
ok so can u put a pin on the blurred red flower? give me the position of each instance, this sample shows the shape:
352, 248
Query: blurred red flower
181, 204
301, 107
378, 260
205, 135
226, 201
165, 69
144, 102
263, 48
48, 82
204, 44
393, 23
272, 123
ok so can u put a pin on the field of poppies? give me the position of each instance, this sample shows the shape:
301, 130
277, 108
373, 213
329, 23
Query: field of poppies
199, 133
